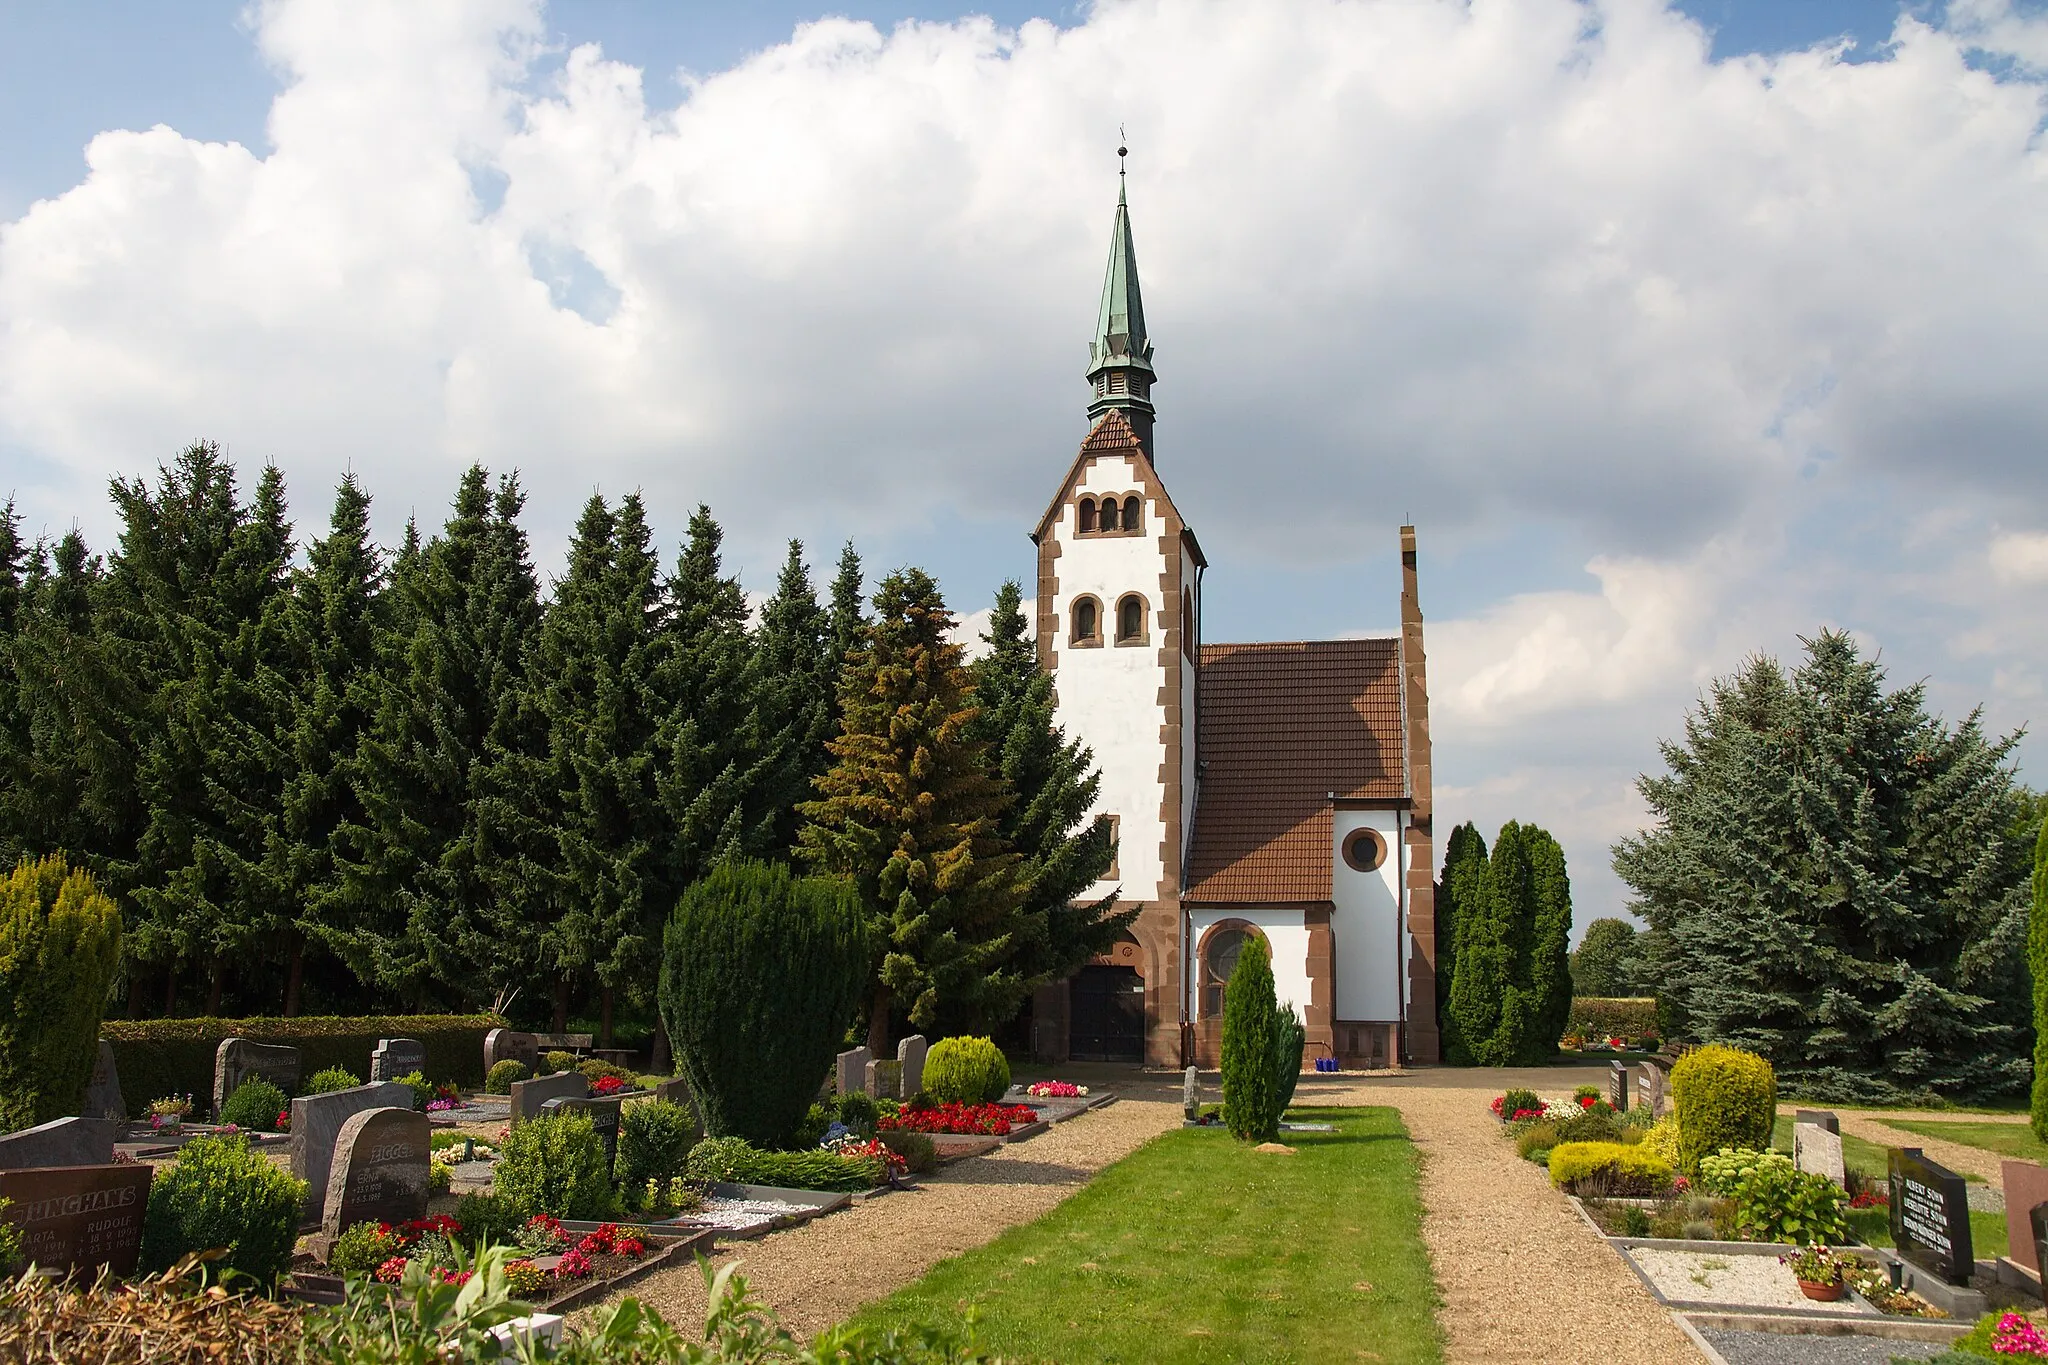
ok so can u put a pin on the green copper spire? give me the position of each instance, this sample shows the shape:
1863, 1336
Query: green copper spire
1120, 356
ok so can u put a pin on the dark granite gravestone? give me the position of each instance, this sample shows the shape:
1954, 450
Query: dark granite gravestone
317, 1121
509, 1045
604, 1118
237, 1059
677, 1092
60, 1142
1931, 1216
529, 1096
2037, 1223
395, 1057
1824, 1117
103, 1092
380, 1170
1617, 1085
79, 1217
910, 1053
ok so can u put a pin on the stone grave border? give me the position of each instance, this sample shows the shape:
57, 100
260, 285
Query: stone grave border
682, 1246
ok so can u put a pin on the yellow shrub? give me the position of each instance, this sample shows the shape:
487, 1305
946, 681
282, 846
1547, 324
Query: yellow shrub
1662, 1140
1614, 1168
1724, 1097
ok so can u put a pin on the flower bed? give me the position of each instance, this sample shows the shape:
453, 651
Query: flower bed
966, 1120
1055, 1090
554, 1261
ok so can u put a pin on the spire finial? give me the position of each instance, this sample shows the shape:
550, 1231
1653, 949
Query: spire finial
1122, 151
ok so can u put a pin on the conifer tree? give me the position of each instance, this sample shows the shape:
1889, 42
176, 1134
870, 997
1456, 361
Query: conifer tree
1511, 908
1472, 999
16, 739
909, 811
1054, 783
70, 772
1607, 960
2037, 962
792, 685
1550, 956
1252, 1104
1833, 874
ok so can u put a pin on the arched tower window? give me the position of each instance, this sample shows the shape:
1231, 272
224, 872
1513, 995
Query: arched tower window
1130, 619
1134, 513
1220, 952
1087, 619
1086, 516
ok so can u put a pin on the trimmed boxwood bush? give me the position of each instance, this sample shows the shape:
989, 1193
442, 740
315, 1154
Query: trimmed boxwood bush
487, 1220
330, 1079
175, 1056
655, 1138
1610, 1168
221, 1194
969, 1070
256, 1104
504, 1075
60, 941
554, 1164
559, 1061
1251, 1098
1724, 1097
761, 974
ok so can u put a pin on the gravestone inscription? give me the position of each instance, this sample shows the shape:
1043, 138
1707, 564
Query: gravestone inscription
1617, 1085
1818, 1151
380, 1170
529, 1096
853, 1070
509, 1045
1931, 1216
2025, 1184
60, 1142
103, 1092
79, 1217
395, 1057
604, 1119
881, 1080
910, 1055
238, 1059
317, 1121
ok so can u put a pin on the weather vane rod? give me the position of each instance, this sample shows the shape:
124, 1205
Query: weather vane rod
1121, 150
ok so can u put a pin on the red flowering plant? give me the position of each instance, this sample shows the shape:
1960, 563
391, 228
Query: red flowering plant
612, 1240
392, 1271
1871, 1199
284, 1120
574, 1265
972, 1120
892, 1162
607, 1085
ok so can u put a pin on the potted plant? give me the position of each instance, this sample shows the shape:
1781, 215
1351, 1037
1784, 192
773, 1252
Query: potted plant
168, 1113
1819, 1272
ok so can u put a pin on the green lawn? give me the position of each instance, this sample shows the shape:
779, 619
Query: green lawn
1873, 1227
1857, 1154
1195, 1248
2006, 1139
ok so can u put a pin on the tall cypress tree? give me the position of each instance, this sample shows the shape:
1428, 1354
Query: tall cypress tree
1835, 883
1054, 781
1511, 895
1550, 948
909, 811
1471, 1014
1454, 892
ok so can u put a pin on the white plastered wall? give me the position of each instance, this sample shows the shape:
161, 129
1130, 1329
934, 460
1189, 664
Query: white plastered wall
1365, 922
1190, 641
1286, 931
1109, 693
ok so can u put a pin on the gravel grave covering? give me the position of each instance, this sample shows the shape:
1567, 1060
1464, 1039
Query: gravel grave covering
1735, 1280
737, 1215
1775, 1348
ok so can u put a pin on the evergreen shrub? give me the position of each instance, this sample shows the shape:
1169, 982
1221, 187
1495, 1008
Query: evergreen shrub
503, 1075
10, 1239
966, 1070
655, 1138
487, 1219
1251, 1096
422, 1089
360, 1249
255, 1104
60, 943
220, 1194
1608, 1168
595, 1069
1626, 1016
175, 1056
738, 1162
859, 1111
1724, 1097
331, 1079
554, 1164
919, 1152
557, 1062
1290, 1041
762, 972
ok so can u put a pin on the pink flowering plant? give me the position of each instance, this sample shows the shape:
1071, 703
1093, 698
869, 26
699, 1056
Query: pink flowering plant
2016, 1335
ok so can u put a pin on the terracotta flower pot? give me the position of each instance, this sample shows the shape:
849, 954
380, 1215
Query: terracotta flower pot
1820, 1293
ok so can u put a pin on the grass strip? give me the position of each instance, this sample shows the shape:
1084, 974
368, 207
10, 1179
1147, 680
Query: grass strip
2006, 1139
1196, 1248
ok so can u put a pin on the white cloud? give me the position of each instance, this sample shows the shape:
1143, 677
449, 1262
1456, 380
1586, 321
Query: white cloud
2020, 557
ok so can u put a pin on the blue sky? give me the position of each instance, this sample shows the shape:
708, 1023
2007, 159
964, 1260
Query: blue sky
1673, 351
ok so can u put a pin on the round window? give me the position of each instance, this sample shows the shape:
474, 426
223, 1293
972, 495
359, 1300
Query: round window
1364, 849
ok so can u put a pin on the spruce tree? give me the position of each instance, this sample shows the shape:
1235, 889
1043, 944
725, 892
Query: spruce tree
1472, 999
793, 680
17, 744
909, 811
70, 769
1054, 782
2037, 962
1833, 874
1550, 958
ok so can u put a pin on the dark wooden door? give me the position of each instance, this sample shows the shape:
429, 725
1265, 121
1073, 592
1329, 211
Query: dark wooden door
1108, 1015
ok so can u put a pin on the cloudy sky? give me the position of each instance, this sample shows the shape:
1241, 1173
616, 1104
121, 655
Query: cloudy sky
1680, 330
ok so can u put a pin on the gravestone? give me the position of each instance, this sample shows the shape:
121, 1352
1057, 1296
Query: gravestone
1824, 1117
563, 1042
529, 1096
604, 1118
910, 1055
1650, 1088
1931, 1216
677, 1092
2026, 1184
1617, 1085
238, 1059
60, 1142
395, 1057
317, 1121
881, 1079
853, 1070
2037, 1223
103, 1092
380, 1170
1191, 1094
509, 1045
79, 1217
1818, 1151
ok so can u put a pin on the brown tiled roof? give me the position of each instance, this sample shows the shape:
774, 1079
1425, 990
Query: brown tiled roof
1282, 727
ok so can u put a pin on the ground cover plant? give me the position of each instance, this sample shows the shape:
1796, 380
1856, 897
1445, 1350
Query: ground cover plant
1192, 1249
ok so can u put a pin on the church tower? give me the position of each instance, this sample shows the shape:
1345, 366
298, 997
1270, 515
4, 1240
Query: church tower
1118, 607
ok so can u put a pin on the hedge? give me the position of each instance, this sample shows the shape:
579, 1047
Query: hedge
1617, 1016
158, 1057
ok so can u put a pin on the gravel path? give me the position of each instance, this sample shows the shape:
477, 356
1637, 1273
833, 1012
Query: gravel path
1516, 1264
818, 1273
1954, 1155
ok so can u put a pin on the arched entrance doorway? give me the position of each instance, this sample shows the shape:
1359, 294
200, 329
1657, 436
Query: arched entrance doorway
1107, 1007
